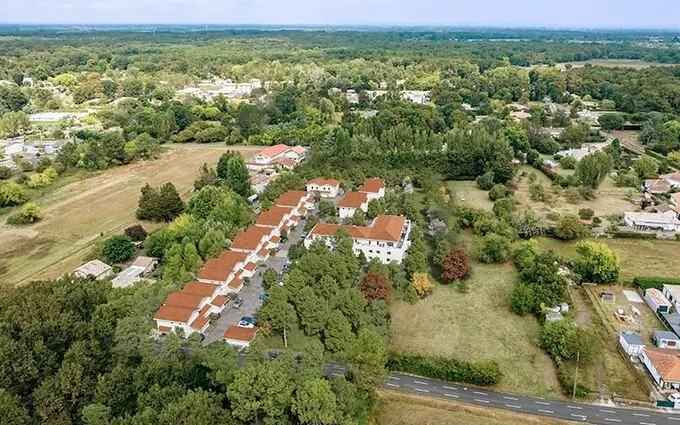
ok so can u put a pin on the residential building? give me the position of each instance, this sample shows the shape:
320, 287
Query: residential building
299, 200
656, 301
275, 217
226, 271
190, 308
140, 268
666, 339
631, 343
326, 188
657, 186
385, 239
672, 293
95, 268
644, 221
673, 179
675, 202
373, 188
277, 156
663, 366
57, 116
351, 202
239, 337
671, 321
256, 242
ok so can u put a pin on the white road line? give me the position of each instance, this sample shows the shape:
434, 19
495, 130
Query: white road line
395, 378
389, 384
481, 401
641, 414
542, 402
647, 423
612, 420
479, 393
514, 406
673, 419
607, 411
546, 411
450, 388
450, 395
421, 390
420, 382
510, 398
574, 407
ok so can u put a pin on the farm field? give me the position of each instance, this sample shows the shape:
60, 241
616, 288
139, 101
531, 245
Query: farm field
478, 325
79, 213
392, 408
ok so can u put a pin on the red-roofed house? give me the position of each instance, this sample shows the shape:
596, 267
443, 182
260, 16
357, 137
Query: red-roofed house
274, 217
385, 239
297, 199
253, 240
221, 270
326, 188
278, 155
374, 188
664, 366
185, 310
351, 202
239, 337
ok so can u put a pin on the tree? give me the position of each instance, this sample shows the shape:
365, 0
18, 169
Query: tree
277, 312
136, 233
375, 208
238, 178
374, 286
570, 227
492, 248
338, 332
314, 403
598, 263
11, 410
269, 277
485, 181
147, 205
14, 124
12, 194
30, 213
367, 359
646, 167
169, 205
593, 168
358, 218
568, 162
117, 249
456, 266
212, 243
352, 304
190, 257
611, 121
566, 340
327, 208
312, 310
143, 146
206, 177
421, 284
12, 99
223, 164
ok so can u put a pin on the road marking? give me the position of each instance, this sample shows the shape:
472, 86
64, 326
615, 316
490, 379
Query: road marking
673, 419
542, 402
578, 416
421, 390
420, 382
641, 414
646, 423
607, 411
481, 401
450, 395
546, 411
389, 384
336, 374
513, 406
510, 398
612, 420
574, 407
395, 378
450, 388
479, 393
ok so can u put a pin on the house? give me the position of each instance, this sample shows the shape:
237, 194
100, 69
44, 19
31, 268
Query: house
275, 217
673, 179
140, 268
631, 343
672, 293
299, 200
326, 188
373, 188
95, 268
190, 309
351, 202
277, 156
657, 186
224, 271
239, 337
656, 301
671, 321
675, 202
666, 339
667, 221
256, 242
385, 239
664, 366
147, 264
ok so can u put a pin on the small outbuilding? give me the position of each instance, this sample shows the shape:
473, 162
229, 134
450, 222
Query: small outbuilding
95, 268
631, 343
666, 339
239, 337
656, 301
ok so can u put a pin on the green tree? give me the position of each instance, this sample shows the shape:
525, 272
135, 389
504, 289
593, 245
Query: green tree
566, 340
611, 121
269, 277
367, 359
192, 261
14, 124
238, 178
223, 163
646, 167
206, 177
598, 263
312, 310
492, 248
358, 218
375, 208
314, 403
11, 409
117, 249
148, 203
338, 332
12, 194
278, 312
212, 243
568, 162
170, 205
570, 227
593, 168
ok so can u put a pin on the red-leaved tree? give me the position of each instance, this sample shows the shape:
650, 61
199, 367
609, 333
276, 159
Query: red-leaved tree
374, 286
456, 266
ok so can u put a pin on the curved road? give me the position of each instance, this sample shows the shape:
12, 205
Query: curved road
579, 412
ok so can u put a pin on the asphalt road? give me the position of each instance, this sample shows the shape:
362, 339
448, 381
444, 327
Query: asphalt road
579, 412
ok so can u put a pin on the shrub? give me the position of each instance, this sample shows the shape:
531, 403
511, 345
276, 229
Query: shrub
5, 172
505, 207
117, 249
587, 193
569, 227
598, 262
497, 192
375, 287
522, 300
645, 282
566, 378
137, 233
631, 235
456, 266
421, 284
484, 372
492, 248
568, 162
586, 213
572, 196
12, 194
30, 213
485, 181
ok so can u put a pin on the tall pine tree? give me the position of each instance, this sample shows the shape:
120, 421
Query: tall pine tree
169, 203
238, 178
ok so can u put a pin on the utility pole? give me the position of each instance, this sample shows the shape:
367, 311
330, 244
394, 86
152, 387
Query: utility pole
285, 338
578, 358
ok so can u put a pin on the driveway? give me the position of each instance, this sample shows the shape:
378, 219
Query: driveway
251, 292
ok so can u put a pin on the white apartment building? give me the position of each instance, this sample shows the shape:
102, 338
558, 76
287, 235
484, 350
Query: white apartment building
326, 188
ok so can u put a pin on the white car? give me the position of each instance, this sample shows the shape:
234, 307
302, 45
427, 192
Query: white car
675, 397
245, 324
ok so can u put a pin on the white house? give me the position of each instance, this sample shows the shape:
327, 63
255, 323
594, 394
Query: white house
666, 339
224, 271
299, 200
656, 301
373, 188
631, 343
275, 217
256, 242
385, 239
351, 202
281, 156
239, 337
95, 268
667, 221
663, 366
190, 308
672, 293
326, 188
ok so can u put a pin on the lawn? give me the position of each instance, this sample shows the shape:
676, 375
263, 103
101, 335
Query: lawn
78, 214
467, 192
478, 325
393, 408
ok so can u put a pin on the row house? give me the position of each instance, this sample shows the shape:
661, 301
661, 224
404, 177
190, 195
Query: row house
373, 188
326, 188
256, 242
300, 202
190, 308
226, 271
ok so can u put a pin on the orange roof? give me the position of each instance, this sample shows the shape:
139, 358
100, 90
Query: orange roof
324, 182
676, 198
249, 239
672, 176
372, 185
667, 363
353, 200
204, 310
264, 252
199, 288
199, 323
251, 266
219, 301
291, 198
240, 334
275, 239
273, 216
299, 150
219, 268
235, 283
302, 210
294, 218
273, 151
238, 274
286, 162
174, 313
384, 228
164, 329
182, 299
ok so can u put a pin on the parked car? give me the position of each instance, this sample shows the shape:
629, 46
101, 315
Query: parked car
264, 296
237, 303
244, 324
249, 319
274, 355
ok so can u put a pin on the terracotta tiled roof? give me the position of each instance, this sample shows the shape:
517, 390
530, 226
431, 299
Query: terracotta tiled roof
372, 185
302, 210
675, 197
240, 334
384, 228
199, 323
300, 150
236, 283
323, 182
273, 151
174, 313
294, 219
249, 239
672, 176
164, 329
219, 268
219, 301
291, 198
285, 162
200, 289
204, 310
275, 239
667, 363
273, 216
251, 267
264, 252
181, 299
657, 186
353, 200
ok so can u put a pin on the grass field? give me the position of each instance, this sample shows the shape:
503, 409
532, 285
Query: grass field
478, 325
393, 408
467, 192
78, 214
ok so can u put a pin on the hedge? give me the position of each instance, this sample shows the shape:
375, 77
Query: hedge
484, 372
645, 282
566, 377
631, 235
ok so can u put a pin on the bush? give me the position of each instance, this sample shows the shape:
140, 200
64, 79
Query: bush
631, 235
137, 233
646, 282
484, 372
485, 181
598, 262
455, 266
117, 249
12, 194
570, 227
498, 191
492, 248
568, 162
5, 172
30, 213
586, 213
587, 193
566, 378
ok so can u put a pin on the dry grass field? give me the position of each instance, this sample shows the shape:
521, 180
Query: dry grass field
393, 408
79, 213
478, 325
467, 192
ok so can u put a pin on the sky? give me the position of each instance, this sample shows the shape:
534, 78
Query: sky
513, 13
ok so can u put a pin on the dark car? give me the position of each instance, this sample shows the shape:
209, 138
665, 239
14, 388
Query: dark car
264, 296
249, 319
237, 303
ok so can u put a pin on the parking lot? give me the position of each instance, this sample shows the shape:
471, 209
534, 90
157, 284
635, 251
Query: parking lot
250, 293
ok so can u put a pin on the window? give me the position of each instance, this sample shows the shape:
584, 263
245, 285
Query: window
370, 251
671, 343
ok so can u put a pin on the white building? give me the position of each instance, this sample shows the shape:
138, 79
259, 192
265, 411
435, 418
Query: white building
657, 301
190, 308
631, 343
141, 267
225, 271
239, 337
277, 156
373, 188
385, 239
663, 366
667, 221
95, 268
666, 339
326, 188
672, 293
351, 202
256, 242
